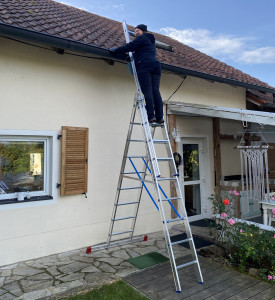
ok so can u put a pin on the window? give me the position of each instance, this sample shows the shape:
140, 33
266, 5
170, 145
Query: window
26, 166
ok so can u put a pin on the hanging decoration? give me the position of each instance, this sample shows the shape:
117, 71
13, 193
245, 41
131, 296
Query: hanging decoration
254, 171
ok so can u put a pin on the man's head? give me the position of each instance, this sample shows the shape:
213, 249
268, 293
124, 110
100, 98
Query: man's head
140, 29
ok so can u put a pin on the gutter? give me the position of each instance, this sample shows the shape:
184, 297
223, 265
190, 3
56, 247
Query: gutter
50, 40
66, 44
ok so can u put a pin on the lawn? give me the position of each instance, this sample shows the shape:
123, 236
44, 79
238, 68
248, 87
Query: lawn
118, 290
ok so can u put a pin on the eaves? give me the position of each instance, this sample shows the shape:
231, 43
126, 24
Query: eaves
75, 46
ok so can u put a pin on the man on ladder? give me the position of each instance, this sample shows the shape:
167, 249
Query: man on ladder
148, 70
148, 73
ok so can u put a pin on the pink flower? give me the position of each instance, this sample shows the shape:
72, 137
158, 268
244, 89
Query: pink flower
274, 236
241, 231
223, 215
269, 277
231, 221
273, 212
235, 193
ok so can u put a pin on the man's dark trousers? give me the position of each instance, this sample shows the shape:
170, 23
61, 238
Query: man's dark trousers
149, 79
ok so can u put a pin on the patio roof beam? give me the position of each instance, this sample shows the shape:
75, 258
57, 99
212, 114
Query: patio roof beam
265, 118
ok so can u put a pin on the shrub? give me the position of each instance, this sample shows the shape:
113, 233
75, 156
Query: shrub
245, 245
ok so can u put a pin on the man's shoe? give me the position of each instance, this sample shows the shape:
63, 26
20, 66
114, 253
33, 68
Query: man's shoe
152, 121
161, 121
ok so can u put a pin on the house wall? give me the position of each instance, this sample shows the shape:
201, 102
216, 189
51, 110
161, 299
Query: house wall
201, 91
41, 90
231, 166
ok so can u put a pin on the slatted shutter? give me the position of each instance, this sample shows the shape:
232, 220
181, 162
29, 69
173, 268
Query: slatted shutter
74, 170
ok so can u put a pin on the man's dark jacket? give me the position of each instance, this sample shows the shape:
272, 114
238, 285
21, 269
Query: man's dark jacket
143, 47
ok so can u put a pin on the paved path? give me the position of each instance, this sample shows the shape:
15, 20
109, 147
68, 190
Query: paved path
56, 276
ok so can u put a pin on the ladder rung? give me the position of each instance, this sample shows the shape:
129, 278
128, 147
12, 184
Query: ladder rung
124, 218
136, 123
168, 178
138, 179
137, 140
169, 199
156, 124
179, 242
136, 156
131, 188
160, 141
131, 173
165, 158
174, 220
126, 203
117, 233
187, 264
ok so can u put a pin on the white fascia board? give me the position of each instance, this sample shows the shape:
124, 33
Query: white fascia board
265, 118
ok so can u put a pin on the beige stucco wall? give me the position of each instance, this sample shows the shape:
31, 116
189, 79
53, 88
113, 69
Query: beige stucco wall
201, 91
41, 90
231, 166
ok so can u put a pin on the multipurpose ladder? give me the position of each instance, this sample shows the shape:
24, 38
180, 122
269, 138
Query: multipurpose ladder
152, 168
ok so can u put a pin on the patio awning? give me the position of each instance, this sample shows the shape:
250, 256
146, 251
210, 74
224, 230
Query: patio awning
265, 118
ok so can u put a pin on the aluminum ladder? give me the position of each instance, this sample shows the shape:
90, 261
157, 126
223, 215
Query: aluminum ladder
150, 163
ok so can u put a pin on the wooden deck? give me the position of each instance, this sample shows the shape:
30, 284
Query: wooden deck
220, 283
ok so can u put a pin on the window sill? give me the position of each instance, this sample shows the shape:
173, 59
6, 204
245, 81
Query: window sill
32, 199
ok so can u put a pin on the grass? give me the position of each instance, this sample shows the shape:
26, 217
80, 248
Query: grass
118, 290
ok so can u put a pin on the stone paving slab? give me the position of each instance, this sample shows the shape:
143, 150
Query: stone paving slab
60, 275
57, 275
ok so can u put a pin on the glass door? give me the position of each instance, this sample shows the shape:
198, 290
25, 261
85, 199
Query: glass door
192, 177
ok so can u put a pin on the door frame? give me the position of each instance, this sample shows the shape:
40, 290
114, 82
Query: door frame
204, 158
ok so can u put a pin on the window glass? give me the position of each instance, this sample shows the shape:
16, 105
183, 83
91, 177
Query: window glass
21, 166
191, 162
192, 199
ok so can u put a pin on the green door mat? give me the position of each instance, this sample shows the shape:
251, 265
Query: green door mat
147, 260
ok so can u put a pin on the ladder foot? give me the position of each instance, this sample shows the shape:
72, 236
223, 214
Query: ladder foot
201, 282
178, 291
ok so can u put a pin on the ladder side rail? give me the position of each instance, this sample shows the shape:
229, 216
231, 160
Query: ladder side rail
166, 235
120, 179
141, 97
155, 174
140, 195
127, 38
183, 212
189, 234
149, 138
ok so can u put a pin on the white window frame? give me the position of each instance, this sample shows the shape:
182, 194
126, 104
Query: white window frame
50, 165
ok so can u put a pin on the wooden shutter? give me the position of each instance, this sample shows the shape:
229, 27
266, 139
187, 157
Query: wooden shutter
74, 169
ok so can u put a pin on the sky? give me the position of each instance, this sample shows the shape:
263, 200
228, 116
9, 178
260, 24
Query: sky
240, 33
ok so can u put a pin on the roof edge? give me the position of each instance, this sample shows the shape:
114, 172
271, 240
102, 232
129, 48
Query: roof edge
58, 42
50, 40
207, 76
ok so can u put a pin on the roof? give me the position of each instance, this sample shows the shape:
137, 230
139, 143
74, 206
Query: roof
62, 21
